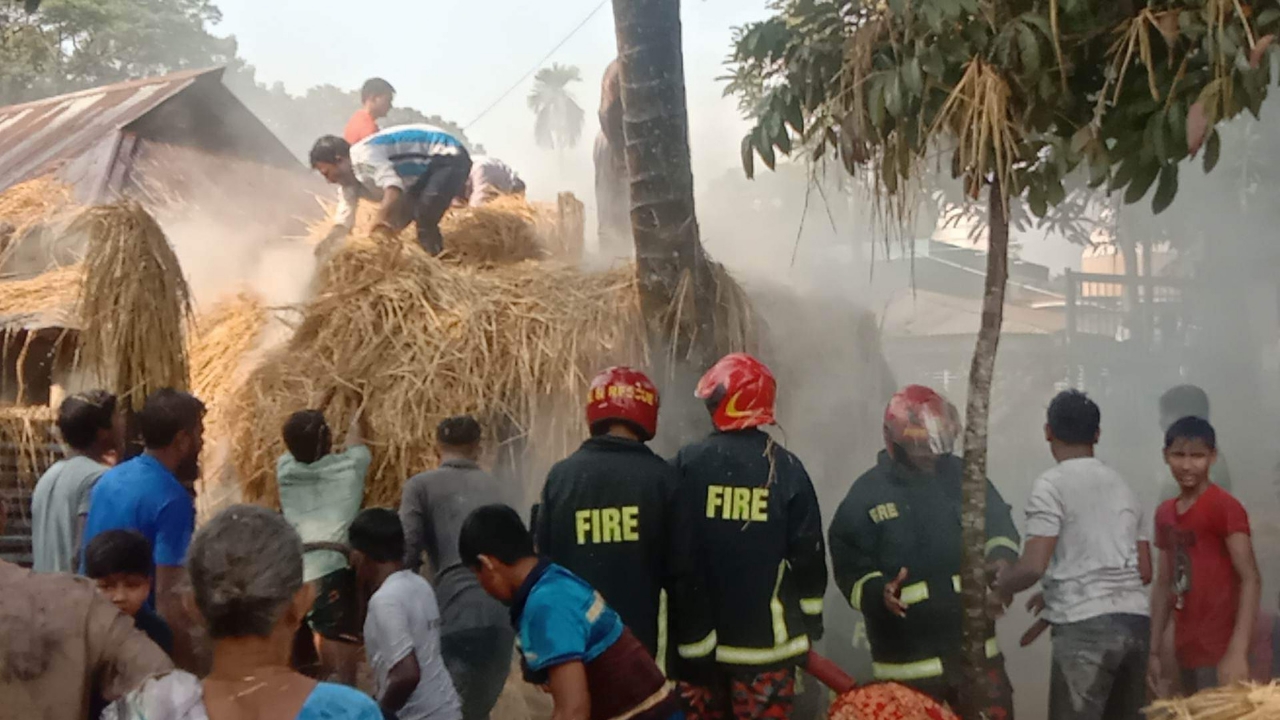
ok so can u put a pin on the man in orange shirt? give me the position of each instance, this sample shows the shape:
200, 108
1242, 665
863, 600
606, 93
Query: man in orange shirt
376, 94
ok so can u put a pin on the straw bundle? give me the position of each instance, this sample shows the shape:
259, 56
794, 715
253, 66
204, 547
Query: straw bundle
507, 230
51, 293
134, 303
29, 432
416, 339
1245, 701
30, 203
222, 339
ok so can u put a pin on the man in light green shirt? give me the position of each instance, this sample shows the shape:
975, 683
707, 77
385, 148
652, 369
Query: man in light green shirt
320, 494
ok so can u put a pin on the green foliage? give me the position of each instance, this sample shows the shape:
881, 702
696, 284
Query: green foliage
894, 83
560, 119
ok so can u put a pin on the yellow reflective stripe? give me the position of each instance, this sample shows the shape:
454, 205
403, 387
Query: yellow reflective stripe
700, 649
1000, 542
921, 669
955, 582
915, 593
596, 609
918, 670
811, 606
662, 632
855, 597
776, 610
798, 645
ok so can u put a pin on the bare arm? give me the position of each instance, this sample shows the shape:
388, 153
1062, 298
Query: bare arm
569, 692
1031, 566
358, 431
390, 196
1161, 595
1235, 664
189, 652
402, 680
1145, 568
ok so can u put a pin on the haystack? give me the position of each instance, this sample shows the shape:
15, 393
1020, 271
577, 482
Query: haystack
507, 230
48, 298
29, 433
23, 206
134, 303
415, 339
1245, 701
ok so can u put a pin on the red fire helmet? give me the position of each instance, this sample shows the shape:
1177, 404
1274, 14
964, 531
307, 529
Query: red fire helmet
920, 419
626, 395
740, 392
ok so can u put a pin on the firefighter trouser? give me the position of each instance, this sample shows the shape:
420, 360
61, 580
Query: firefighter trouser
741, 695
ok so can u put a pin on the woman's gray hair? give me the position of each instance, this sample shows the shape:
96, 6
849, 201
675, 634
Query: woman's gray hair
245, 566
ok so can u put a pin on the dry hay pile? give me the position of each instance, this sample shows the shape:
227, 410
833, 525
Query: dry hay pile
507, 230
222, 339
52, 294
134, 303
28, 204
1244, 701
29, 431
416, 339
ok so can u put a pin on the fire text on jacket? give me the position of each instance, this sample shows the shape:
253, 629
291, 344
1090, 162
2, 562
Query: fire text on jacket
608, 525
738, 503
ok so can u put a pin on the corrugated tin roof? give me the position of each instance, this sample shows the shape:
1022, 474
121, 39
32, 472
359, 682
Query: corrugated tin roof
36, 137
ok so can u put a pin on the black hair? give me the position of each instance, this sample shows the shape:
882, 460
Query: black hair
1074, 418
117, 552
373, 87
307, 435
458, 431
494, 530
1191, 428
166, 413
83, 415
377, 532
1185, 400
330, 149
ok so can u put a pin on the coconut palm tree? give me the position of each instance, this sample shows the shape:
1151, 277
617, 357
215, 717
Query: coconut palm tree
560, 118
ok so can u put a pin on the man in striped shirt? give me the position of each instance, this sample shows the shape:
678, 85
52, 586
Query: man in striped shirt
413, 171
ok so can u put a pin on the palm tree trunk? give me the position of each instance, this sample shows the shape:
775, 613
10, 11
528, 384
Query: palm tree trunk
656, 131
977, 626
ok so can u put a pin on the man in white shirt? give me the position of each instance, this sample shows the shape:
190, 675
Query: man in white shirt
490, 179
1088, 543
414, 172
402, 628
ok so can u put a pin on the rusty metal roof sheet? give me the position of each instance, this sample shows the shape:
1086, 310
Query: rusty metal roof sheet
36, 137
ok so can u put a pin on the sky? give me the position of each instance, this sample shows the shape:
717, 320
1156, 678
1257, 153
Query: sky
454, 59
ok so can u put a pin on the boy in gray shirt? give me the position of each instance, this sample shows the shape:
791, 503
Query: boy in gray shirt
402, 627
1088, 543
60, 503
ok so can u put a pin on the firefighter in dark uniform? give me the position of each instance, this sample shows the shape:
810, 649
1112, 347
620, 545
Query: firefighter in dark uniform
757, 536
895, 550
606, 509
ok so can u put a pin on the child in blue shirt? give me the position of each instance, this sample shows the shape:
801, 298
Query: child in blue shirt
570, 640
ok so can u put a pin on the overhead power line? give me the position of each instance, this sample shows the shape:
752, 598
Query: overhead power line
537, 65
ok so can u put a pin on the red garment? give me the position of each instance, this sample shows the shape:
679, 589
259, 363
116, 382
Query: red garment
360, 126
1205, 584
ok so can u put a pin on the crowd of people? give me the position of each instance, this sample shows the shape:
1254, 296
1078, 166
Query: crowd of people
414, 172
640, 588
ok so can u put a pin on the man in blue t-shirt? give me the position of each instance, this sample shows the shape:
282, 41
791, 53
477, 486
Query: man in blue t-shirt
153, 494
569, 639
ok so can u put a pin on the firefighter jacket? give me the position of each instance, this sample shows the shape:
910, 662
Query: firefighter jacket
606, 515
897, 517
758, 542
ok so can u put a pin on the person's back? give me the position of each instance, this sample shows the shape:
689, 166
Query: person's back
604, 517
60, 503
143, 495
60, 638
1099, 523
403, 616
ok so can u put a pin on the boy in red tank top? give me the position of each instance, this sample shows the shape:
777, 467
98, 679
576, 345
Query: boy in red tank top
1207, 581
